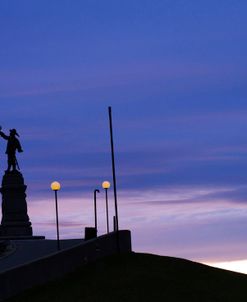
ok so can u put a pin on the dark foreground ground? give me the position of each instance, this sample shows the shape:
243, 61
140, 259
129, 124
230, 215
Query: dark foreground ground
142, 277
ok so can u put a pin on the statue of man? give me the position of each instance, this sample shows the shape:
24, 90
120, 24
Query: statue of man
12, 145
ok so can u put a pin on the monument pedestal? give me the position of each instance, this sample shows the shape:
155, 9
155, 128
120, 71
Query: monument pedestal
15, 221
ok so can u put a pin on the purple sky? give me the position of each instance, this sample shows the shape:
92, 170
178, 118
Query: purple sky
175, 75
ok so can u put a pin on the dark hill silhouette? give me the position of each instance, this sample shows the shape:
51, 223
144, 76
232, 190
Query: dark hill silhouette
143, 277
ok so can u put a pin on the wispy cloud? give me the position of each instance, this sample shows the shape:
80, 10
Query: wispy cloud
184, 224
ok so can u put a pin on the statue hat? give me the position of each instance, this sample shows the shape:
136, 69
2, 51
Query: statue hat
13, 131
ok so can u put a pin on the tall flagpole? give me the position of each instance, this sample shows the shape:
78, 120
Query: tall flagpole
113, 168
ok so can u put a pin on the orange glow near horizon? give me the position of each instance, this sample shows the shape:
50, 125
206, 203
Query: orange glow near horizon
239, 266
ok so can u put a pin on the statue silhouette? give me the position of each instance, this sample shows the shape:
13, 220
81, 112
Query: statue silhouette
12, 145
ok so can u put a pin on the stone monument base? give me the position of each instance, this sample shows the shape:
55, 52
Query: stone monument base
16, 229
22, 237
15, 222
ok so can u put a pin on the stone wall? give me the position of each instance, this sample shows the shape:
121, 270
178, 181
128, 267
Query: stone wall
58, 264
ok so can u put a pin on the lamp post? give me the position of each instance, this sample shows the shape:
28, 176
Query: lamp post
113, 171
106, 185
55, 186
95, 210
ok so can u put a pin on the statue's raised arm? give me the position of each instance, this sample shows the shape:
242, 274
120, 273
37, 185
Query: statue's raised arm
13, 145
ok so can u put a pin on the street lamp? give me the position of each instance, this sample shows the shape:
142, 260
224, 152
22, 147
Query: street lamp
106, 185
55, 186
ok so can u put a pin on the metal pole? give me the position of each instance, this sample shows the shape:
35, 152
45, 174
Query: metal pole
114, 223
107, 216
58, 240
95, 211
113, 167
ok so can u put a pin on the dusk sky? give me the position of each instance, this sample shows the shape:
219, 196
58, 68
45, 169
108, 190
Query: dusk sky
175, 74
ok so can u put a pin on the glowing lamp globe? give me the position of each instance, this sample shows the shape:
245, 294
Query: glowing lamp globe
106, 184
55, 186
